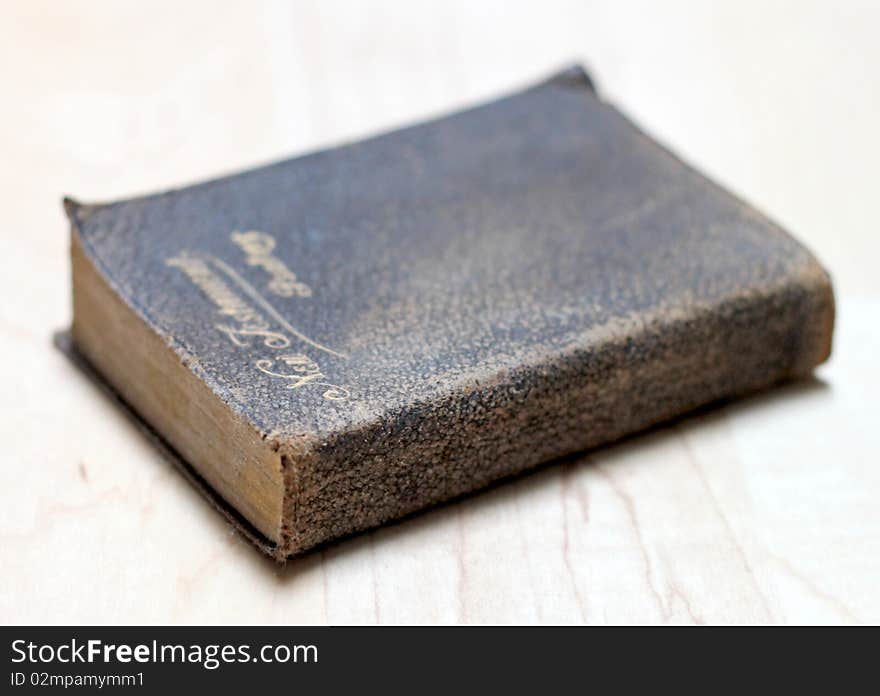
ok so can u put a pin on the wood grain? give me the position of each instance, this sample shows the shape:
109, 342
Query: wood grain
761, 511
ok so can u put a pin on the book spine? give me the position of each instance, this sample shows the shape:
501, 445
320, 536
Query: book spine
616, 380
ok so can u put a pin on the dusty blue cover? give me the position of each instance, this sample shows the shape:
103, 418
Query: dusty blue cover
434, 308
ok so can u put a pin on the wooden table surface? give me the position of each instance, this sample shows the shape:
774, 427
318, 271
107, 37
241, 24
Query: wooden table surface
767, 510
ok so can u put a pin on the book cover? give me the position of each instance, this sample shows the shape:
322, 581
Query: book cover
346, 337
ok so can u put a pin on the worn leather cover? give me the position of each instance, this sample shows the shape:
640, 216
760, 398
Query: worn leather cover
413, 316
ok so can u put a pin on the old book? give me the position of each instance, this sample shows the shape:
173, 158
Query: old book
343, 338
